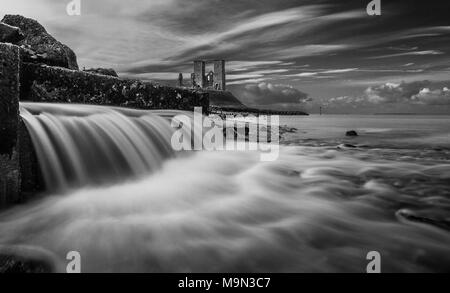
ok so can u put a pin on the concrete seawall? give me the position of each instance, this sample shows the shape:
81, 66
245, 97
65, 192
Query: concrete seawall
41, 83
9, 124
19, 171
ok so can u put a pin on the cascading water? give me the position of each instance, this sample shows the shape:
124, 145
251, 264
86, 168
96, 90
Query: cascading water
317, 208
79, 145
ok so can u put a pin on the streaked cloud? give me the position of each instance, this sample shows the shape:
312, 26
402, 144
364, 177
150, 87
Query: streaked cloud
415, 53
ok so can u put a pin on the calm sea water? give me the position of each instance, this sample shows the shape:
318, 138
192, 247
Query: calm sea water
384, 131
321, 207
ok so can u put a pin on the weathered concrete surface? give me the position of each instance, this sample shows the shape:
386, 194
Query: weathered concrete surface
42, 43
102, 71
9, 123
42, 83
10, 34
32, 181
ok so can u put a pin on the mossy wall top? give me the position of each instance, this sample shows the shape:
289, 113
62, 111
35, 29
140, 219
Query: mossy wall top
43, 83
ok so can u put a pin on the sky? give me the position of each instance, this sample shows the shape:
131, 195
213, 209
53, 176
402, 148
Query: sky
281, 54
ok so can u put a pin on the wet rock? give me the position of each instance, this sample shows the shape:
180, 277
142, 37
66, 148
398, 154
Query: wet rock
407, 215
10, 34
286, 129
242, 133
346, 146
237, 132
28, 259
15, 264
102, 71
41, 44
351, 133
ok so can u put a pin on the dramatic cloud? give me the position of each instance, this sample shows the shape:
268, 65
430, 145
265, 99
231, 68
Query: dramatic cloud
354, 101
269, 94
433, 97
264, 41
395, 92
419, 92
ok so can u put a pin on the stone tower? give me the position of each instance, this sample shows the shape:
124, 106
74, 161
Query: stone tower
219, 75
200, 79
199, 73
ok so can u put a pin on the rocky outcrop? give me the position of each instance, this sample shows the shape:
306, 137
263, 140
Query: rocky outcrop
10, 34
38, 42
224, 99
102, 71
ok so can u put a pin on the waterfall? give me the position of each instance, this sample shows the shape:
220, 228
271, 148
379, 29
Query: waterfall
79, 145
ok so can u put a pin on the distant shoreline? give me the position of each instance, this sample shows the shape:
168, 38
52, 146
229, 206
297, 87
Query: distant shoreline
397, 114
413, 114
245, 110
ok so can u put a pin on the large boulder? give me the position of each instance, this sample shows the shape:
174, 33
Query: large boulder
36, 39
10, 34
351, 133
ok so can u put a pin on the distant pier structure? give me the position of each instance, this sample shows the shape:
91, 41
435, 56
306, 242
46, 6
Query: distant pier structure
215, 80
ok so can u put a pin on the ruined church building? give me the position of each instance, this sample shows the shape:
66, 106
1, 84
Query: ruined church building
214, 80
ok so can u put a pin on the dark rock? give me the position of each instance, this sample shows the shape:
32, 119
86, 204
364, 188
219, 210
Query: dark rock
10, 34
286, 129
28, 55
11, 264
346, 146
237, 132
351, 133
27, 259
102, 71
242, 133
41, 44
412, 217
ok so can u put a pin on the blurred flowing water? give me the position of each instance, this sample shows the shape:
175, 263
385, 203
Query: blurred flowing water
321, 207
79, 145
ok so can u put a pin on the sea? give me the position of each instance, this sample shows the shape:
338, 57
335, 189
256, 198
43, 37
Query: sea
323, 206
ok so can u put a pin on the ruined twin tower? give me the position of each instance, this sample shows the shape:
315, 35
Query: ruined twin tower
212, 80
